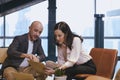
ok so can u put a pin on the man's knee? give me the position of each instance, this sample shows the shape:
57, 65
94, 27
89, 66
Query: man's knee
8, 73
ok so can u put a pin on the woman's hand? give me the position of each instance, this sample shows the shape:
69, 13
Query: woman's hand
63, 67
49, 71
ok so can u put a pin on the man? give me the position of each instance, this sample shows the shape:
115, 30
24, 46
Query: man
23, 48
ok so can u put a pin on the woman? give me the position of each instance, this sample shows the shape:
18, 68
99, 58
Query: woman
71, 56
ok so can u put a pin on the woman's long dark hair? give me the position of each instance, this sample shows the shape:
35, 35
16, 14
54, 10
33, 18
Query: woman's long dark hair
64, 27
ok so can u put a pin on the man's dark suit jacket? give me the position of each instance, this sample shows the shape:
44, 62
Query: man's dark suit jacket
19, 46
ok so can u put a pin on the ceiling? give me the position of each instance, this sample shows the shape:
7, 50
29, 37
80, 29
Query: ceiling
9, 6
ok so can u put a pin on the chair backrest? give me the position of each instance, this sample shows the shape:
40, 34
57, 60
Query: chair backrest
3, 54
105, 61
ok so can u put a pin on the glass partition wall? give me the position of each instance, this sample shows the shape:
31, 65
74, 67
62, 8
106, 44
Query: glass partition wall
111, 9
18, 23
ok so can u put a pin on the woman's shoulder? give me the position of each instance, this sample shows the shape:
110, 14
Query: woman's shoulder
76, 39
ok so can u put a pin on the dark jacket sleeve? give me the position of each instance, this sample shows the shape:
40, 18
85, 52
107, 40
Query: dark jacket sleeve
12, 49
18, 46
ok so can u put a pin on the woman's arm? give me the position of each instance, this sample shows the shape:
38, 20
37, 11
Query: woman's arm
73, 55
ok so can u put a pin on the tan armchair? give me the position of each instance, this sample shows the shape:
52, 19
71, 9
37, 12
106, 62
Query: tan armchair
105, 61
3, 54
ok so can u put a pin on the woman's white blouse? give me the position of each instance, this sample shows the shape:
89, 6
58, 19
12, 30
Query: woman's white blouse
76, 55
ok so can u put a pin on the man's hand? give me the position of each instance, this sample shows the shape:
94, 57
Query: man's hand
30, 57
35, 58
